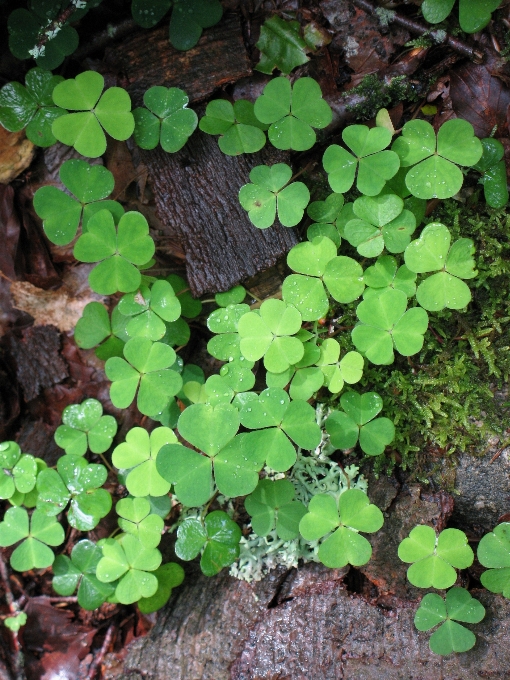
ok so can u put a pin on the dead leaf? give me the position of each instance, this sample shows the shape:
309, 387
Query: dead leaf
16, 153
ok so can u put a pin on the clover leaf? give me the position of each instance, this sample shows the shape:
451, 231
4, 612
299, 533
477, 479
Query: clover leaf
269, 334
307, 378
77, 481
31, 106
473, 14
352, 514
281, 46
493, 169
61, 213
217, 537
131, 562
146, 369
234, 296
375, 165
147, 13
272, 505
277, 420
135, 518
432, 253
225, 346
358, 422
434, 557
79, 571
139, 454
436, 173
18, 471
166, 120
117, 249
458, 605
494, 553
37, 534
385, 273
240, 130
169, 576
237, 374
99, 112
189, 18
381, 222
325, 215
149, 309
270, 193
317, 264
85, 427
190, 307
385, 324
292, 111
338, 371
94, 328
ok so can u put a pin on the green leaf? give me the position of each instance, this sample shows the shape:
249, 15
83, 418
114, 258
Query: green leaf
281, 46
166, 120
135, 518
33, 552
148, 14
272, 504
150, 309
493, 171
494, 552
474, 15
169, 576
188, 19
209, 428
188, 471
14, 623
234, 296
222, 546
85, 427
240, 130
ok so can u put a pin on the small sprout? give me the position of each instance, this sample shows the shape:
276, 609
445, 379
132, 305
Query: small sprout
166, 120
352, 514
432, 253
36, 535
240, 130
292, 111
272, 505
135, 518
385, 273
99, 112
18, 471
435, 173
385, 324
374, 164
458, 605
85, 427
169, 576
146, 369
358, 422
14, 623
149, 309
79, 571
434, 557
493, 169
494, 553
117, 249
281, 46
270, 193
95, 328
217, 537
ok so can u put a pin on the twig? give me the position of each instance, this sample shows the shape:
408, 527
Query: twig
19, 671
499, 452
55, 25
419, 29
98, 659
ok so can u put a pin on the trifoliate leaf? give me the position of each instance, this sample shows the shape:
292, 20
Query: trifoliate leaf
85, 427
166, 120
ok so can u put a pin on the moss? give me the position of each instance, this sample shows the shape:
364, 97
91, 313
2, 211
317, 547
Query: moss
375, 94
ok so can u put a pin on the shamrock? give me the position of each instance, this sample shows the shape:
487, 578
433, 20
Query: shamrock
385, 324
317, 264
169, 576
189, 18
166, 120
375, 166
307, 378
139, 454
269, 334
435, 173
353, 513
234, 296
214, 391
270, 193
493, 169
127, 560
135, 518
146, 368
293, 112
277, 420
226, 344
434, 557
95, 328
212, 430
149, 309
458, 605
31, 106
272, 503
473, 14
18, 470
240, 130
356, 421
432, 253
37, 534
190, 307
61, 213
494, 552
29, 499
325, 215
117, 249
237, 374
77, 481
79, 571
381, 222
281, 46
98, 110
217, 537
337, 372
85, 427
385, 273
